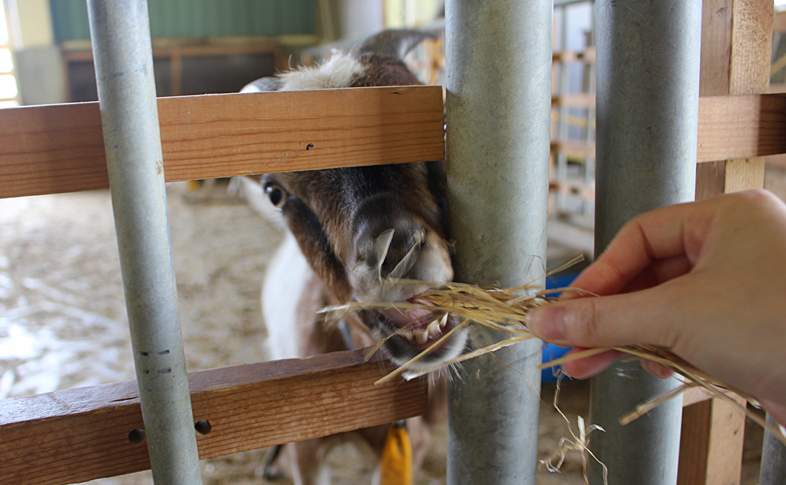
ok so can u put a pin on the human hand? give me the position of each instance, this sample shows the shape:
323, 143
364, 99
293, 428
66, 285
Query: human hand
706, 280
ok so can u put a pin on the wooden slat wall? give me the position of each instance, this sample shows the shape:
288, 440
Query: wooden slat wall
82, 434
59, 148
729, 127
735, 57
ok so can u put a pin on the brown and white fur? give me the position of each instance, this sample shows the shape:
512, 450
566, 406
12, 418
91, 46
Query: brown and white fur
339, 248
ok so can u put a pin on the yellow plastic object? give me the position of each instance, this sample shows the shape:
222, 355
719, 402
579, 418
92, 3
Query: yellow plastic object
396, 462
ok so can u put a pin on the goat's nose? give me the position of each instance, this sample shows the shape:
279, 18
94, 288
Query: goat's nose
390, 251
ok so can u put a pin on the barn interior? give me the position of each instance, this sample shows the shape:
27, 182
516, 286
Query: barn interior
63, 321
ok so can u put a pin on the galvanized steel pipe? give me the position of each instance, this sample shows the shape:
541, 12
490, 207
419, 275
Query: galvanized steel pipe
647, 122
498, 56
773, 459
129, 115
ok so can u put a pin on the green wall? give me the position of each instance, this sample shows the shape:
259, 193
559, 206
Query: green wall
199, 18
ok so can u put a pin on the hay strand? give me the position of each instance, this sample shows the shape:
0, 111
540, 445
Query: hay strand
579, 443
507, 310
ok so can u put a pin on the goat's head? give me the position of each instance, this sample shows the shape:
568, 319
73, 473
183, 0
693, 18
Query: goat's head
363, 228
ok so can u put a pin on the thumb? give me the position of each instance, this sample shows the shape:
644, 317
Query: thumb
605, 321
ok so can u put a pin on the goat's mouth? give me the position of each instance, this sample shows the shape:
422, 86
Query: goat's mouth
408, 333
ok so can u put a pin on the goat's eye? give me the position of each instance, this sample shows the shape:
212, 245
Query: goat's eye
276, 195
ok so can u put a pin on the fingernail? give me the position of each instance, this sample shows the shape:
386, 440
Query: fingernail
548, 322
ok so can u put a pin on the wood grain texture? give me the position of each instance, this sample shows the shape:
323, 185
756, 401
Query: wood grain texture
59, 148
710, 179
729, 127
574, 100
741, 126
736, 47
82, 434
711, 437
749, 74
716, 32
751, 48
694, 443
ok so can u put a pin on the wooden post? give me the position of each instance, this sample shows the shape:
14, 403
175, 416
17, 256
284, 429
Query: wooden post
735, 60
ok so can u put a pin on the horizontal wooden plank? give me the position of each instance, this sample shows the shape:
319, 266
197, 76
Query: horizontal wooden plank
82, 434
59, 148
572, 56
741, 126
729, 127
574, 148
574, 100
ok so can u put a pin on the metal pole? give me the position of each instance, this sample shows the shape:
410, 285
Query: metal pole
773, 459
129, 115
647, 116
498, 101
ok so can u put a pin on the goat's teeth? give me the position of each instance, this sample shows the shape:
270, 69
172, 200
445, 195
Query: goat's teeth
406, 334
420, 336
444, 320
433, 328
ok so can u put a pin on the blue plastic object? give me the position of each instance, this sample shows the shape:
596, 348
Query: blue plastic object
551, 351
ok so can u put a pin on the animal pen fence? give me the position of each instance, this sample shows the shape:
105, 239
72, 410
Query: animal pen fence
498, 143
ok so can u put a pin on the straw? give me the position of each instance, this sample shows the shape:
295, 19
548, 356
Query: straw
507, 310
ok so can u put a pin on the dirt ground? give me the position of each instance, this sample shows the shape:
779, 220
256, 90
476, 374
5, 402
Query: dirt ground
63, 322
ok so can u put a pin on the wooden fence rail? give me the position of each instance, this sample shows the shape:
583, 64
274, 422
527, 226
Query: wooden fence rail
59, 148
86, 433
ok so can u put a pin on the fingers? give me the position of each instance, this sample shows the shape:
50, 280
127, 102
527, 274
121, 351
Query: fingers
678, 231
655, 369
605, 321
595, 364
589, 366
671, 233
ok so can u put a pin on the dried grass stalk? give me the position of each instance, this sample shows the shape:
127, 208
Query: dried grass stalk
579, 443
506, 310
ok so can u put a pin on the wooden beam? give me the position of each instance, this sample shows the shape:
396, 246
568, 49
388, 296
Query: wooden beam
59, 148
86, 433
729, 127
588, 55
735, 60
741, 126
574, 100
712, 444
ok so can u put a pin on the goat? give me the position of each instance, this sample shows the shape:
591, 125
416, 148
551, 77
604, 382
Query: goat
349, 229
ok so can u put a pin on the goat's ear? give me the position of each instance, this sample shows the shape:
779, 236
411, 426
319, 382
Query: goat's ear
262, 85
393, 42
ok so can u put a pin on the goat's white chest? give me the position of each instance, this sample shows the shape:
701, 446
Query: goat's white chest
285, 299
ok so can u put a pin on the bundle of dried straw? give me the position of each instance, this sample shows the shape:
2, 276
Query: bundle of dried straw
506, 310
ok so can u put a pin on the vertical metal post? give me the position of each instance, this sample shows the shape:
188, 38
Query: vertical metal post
498, 101
129, 115
647, 117
773, 459
561, 157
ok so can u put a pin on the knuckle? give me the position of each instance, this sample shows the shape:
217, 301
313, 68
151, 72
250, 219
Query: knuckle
585, 327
